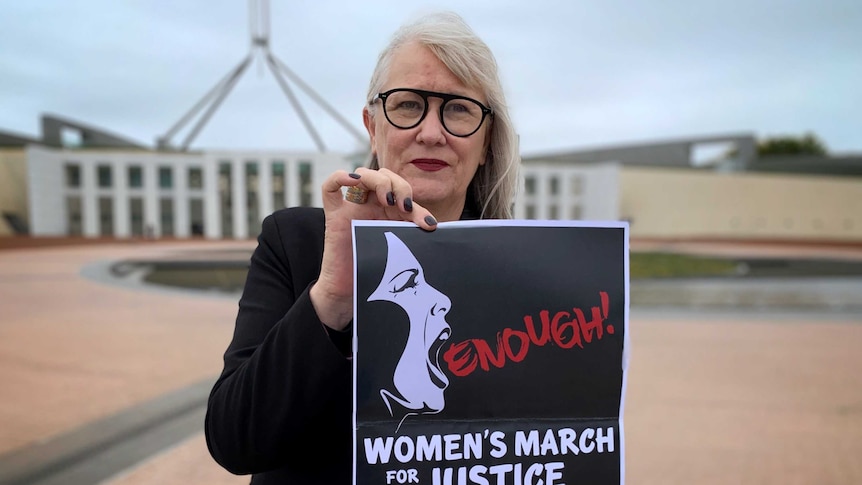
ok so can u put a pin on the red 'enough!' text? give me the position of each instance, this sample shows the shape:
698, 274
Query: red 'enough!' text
565, 329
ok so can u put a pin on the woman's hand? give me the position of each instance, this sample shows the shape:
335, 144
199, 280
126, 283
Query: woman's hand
390, 197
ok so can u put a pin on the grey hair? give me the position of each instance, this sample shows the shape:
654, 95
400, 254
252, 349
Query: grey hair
446, 34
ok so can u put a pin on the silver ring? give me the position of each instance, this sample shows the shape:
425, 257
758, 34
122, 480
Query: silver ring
356, 194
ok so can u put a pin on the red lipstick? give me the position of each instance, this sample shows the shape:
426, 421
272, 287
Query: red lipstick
429, 164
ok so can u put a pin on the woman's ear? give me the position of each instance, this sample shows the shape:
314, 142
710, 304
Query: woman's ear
368, 120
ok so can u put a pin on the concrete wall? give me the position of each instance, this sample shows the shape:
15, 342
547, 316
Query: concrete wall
675, 153
659, 202
673, 203
13, 186
52, 134
552, 190
322, 164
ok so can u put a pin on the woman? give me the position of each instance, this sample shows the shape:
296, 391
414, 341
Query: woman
419, 381
442, 149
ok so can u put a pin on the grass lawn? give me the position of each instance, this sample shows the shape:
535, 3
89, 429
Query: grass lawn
664, 265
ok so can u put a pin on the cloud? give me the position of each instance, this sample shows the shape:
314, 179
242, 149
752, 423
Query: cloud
576, 73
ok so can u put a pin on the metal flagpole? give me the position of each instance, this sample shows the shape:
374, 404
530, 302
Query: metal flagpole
295, 102
259, 27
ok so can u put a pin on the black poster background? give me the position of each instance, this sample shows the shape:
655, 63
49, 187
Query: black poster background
495, 276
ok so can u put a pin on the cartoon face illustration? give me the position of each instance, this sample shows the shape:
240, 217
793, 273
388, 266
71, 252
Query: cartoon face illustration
419, 380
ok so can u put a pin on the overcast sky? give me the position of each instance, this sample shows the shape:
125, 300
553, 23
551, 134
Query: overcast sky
576, 73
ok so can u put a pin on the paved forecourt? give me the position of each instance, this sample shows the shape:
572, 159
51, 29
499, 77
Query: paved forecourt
75, 351
713, 397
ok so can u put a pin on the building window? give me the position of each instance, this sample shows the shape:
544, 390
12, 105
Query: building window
196, 178
278, 175
136, 177
252, 183
576, 184
73, 175
106, 216
278, 201
278, 195
166, 178
530, 211
530, 185
73, 215
553, 212
166, 213
554, 185
196, 210
104, 174
225, 198
305, 189
136, 215
575, 212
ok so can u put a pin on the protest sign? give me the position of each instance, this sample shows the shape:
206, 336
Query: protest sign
490, 352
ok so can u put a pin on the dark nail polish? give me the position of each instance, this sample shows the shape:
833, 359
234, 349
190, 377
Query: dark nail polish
390, 198
354, 175
430, 220
408, 204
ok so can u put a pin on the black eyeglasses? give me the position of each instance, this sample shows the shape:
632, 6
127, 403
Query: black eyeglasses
406, 108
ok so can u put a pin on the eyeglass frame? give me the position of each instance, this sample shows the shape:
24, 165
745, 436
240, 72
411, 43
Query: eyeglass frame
486, 111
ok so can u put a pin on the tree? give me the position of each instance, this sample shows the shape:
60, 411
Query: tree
808, 144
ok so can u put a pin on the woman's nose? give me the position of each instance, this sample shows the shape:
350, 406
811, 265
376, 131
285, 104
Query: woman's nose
441, 305
431, 131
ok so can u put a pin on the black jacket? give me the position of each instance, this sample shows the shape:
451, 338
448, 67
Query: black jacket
281, 409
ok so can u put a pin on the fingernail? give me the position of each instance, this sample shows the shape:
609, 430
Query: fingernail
390, 198
408, 204
430, 220
354, 175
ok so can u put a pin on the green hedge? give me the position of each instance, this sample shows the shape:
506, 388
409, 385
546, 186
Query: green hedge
664, 265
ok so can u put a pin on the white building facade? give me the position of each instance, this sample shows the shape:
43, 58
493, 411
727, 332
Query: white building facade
568, 191
214, 194
227, 194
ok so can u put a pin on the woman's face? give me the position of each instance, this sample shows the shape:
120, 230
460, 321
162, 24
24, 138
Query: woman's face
418, 377
439, 166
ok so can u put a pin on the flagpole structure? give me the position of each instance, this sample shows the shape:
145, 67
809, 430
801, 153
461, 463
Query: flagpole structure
259, 27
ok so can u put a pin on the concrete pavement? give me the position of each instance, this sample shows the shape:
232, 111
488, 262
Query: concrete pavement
74, 351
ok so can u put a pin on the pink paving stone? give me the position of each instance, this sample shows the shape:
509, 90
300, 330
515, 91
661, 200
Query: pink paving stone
187, 463
73, 350
718, 400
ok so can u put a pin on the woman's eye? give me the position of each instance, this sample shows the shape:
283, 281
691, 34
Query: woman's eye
409, 106
458, 107
404, 281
